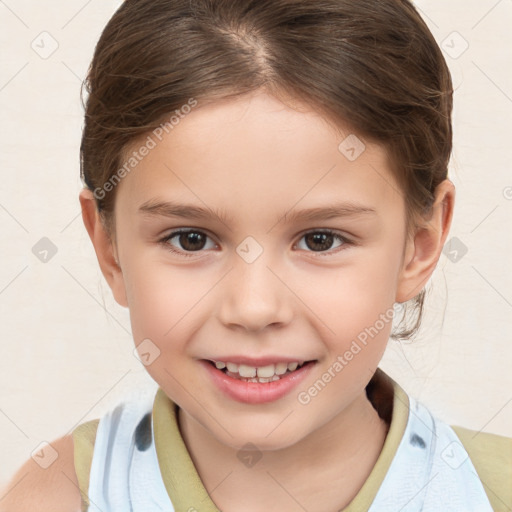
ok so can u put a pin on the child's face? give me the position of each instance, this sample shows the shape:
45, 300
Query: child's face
301, 299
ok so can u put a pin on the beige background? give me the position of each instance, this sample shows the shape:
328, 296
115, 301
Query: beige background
66, 345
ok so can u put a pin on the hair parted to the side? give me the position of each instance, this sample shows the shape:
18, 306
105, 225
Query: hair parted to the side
373, 66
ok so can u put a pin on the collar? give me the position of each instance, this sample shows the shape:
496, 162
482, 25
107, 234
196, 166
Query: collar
186, 489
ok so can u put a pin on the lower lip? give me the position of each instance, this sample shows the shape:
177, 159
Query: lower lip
257, 392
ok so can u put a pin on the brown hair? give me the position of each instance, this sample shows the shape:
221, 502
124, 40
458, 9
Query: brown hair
372, 65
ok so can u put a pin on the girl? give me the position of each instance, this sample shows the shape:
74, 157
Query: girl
265, 181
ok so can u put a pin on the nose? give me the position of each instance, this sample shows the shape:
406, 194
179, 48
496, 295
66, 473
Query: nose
254, 297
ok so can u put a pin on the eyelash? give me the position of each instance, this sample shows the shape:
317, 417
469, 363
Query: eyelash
187, 254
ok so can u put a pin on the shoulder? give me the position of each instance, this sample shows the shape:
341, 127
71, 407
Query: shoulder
52, 488
491, 455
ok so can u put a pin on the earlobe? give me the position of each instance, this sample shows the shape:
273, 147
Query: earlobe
423, 251
103, 246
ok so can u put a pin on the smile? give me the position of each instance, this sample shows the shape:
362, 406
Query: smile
268, 373
256, 384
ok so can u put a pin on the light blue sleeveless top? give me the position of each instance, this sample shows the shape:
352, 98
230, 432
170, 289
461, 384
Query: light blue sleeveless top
431, 471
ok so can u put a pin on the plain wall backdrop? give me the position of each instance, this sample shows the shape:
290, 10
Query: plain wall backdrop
66, 348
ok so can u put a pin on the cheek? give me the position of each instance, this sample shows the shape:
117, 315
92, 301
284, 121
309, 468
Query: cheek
355, 315
353, 297
162, 311
157, 300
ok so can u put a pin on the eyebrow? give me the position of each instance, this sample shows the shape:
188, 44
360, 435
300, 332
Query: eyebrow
193, 212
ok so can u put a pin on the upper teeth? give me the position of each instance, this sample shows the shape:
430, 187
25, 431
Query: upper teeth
262, 371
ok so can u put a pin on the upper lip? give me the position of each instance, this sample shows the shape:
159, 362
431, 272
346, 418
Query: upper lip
259, 361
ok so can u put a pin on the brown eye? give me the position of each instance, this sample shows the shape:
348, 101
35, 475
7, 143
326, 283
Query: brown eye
319, 241
187, 241
322, 241
192, 241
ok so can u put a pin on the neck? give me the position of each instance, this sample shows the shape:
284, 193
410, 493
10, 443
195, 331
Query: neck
323, 471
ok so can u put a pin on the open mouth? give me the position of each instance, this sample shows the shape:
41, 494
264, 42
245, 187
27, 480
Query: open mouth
269, 373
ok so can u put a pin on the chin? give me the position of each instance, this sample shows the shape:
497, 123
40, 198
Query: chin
261, 440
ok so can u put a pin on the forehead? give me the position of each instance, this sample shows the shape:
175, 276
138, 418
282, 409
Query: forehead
253, 155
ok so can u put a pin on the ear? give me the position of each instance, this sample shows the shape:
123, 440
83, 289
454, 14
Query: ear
104, 247
424, 248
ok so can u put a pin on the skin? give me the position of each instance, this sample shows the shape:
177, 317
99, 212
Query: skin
256, 159
54, 489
